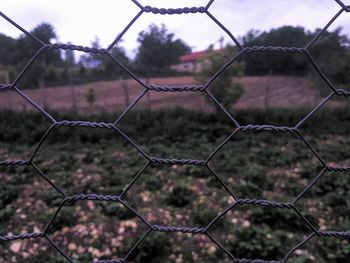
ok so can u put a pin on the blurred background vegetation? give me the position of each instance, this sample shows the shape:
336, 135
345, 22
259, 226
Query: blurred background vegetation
159, 49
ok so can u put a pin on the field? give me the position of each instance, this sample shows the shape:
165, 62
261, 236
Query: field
260, 92
259, 165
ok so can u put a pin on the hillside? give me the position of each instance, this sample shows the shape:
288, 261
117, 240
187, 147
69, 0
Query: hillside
260, 92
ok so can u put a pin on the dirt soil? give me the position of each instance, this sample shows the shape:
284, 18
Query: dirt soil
260, 92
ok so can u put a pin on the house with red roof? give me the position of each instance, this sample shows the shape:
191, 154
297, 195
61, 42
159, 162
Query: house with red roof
191, 62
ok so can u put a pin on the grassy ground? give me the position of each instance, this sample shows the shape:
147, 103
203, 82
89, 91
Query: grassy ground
259, 165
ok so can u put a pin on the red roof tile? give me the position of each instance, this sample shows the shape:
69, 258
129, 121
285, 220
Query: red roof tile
193, 56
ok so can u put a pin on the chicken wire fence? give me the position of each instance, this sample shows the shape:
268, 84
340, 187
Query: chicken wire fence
69, 200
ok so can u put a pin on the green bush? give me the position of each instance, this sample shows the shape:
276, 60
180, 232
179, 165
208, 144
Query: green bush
116, 210
66, 218
180, 196
156, 248
251, 242
202, 216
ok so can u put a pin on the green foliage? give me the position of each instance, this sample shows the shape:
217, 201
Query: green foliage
248, 179
15, 54
155, 249
331, 52
116, 210
158, 49
203, 215
256, 242
48, 258
6, 212
66, 218
90, 97
85, 258
53, 198
8, 194
103, 66
152, 184
180, 196
337, 251
51, 68
8, 47
10, 190
42, 71
285, 36
197, 172
223, 88
254, 182
286, 219
27, 127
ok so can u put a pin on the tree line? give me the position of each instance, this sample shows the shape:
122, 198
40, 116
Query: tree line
158, 49
331, 52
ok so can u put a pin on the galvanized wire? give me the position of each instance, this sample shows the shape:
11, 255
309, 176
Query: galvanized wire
55, 124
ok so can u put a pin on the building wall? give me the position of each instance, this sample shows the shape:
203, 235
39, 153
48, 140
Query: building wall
192, 67
4, 76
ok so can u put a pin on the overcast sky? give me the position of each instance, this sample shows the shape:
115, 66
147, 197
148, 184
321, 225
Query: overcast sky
80, 21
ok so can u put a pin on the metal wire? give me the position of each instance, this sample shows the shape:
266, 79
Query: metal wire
55, 124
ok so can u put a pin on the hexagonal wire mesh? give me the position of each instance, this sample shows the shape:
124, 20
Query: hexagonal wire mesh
205, 10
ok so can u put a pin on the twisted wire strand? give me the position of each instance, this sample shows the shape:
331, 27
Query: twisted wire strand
119, 260
265, 203
192, 88
174, 11
90, 124
92, 197
265, 49
22, 236
14, 163
92, 50
338, 169
5, 87
188, 230
341, 92
272, 128
178, 161
334, 234
244, 260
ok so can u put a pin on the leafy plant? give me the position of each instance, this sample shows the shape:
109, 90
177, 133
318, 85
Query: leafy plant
180, 196
90, 97
223, 88
116, 210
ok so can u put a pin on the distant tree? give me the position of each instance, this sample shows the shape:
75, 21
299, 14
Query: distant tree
69, 64
158, 49
26, 46
113, 70
92, 60
45, 32
104, 67
8, 47
277, 63
44, 69
332, 54
223, 88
